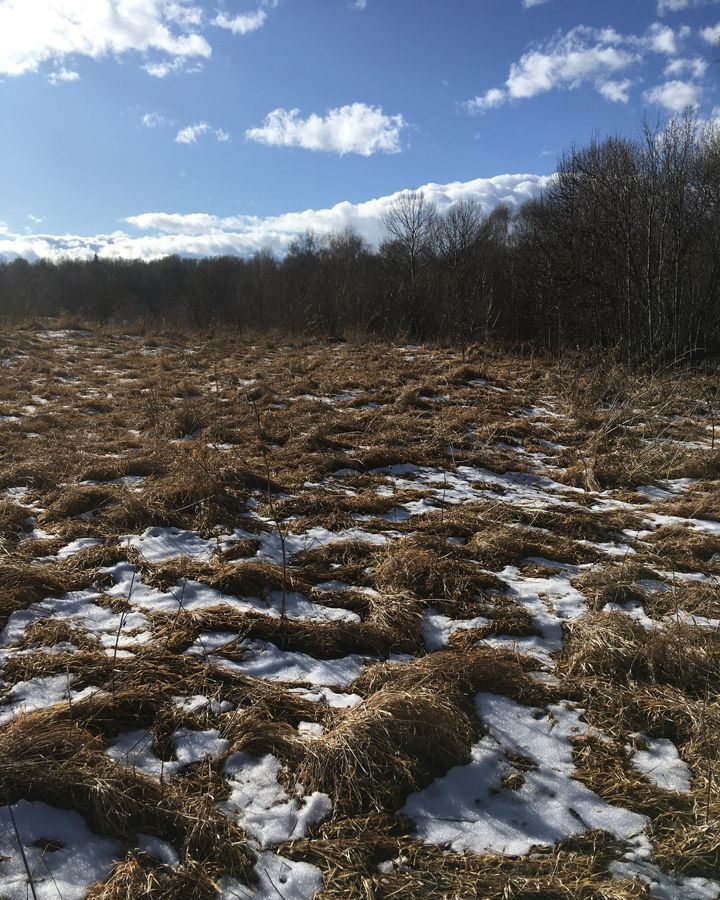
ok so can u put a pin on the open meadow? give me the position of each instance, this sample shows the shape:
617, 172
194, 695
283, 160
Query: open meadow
293, 619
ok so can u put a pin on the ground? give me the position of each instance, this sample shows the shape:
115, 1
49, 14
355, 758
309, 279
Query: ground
287, 618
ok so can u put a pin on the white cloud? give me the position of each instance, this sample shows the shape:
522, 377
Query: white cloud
185, 16
36, 220
358, 4
662, 38
666, 6
489, 100
675, 95
203, 234
356, 128
568, 60
529, 4
583, 55
191, 133
711, 34
155, 120
163, 69
616, 91
245, 23
242, 24
63, 76
33, 32
696, 66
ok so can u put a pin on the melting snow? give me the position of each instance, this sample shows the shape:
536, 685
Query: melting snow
261, 804
661, 762
63, 855
470, 809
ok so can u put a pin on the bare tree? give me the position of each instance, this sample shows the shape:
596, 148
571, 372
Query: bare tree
457, 232
409, 222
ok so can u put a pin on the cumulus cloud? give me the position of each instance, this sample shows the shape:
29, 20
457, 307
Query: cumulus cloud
63, 76
616, 91
666, 6
663, 39
186, 16
583, 55
697, 67
566, 61
356, 128
675, 95
241, 24
191, 133
245, 23
157, 234
669, 6
490, 99
711, 34
33, 32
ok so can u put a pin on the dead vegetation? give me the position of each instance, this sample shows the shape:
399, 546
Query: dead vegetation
441, 477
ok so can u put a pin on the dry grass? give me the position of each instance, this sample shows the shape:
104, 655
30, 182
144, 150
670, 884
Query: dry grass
429, 572
180, 446
395, 742
349, 851
66, 766
612, 645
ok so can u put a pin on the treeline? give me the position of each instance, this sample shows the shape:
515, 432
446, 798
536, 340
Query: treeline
621, 252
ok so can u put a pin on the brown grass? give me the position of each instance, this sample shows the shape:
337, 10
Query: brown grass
393, 743
181, 418
612, 645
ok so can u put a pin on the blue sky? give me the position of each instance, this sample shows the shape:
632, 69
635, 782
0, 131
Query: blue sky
141, 127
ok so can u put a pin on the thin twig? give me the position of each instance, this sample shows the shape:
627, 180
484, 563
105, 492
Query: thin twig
22, 849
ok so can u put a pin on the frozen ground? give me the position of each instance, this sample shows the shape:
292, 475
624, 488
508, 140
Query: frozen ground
214, 639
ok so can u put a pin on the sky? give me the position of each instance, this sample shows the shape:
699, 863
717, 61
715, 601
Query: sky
140, 128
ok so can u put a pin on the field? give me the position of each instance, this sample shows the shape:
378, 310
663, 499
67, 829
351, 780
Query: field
284, 619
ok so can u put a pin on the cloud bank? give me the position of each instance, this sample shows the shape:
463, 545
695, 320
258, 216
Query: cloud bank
157, 234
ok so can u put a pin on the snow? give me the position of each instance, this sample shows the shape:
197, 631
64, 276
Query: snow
199, 701
437, 629
665, 887
328, 696
76, 546
160, 544
158, 848
277, 878
469, 809
81, 857
40, 693
134, 749
262, 659
261, 805
661, 763
78, 608
194, 746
